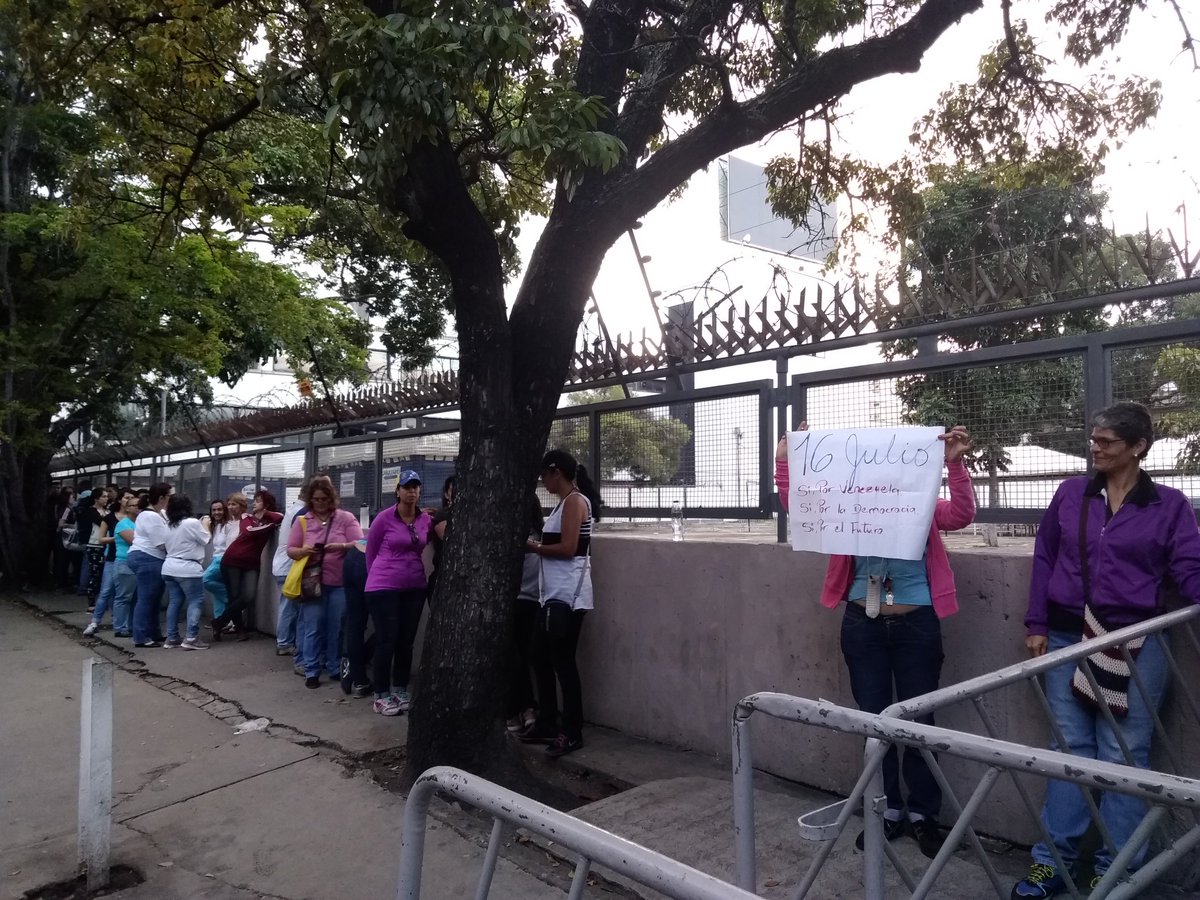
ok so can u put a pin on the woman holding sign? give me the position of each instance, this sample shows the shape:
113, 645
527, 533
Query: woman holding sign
1104, 548
892, 638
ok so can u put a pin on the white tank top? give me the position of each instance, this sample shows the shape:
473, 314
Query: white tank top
569, 580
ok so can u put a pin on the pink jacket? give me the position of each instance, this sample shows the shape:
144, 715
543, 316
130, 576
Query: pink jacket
949, 515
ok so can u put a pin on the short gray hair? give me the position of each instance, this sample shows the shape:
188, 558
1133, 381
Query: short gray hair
1130, 422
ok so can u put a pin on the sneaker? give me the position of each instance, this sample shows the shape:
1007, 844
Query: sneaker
387, 706
1042, 881
149, 644
891, 831
514, 725
312, 683
91, 607
299, 670
562, 745
361, 690
92, 628
401, 698
285, 650
172, 643
122, 634
537, 734
194, 644
927, 835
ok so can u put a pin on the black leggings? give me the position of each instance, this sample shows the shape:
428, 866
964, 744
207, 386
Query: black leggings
397, 615
553, 655
520, 685
242, 587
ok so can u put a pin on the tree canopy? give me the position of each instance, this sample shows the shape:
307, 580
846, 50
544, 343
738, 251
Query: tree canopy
423, 130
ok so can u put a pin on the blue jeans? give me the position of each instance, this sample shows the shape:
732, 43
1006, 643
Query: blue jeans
214, 583
907, 650
320, 630
147, 570
108, 592
126, 585
289, 612
1065, 814
181, 589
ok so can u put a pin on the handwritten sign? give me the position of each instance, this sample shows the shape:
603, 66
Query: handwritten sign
864, 491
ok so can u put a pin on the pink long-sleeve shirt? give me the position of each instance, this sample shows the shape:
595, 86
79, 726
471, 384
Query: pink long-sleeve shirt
949, 515
343, 529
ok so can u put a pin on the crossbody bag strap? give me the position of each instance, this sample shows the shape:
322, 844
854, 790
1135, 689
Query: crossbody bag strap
1083, 550
587, 558
324, 540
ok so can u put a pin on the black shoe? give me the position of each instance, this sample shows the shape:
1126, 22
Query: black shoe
562, 745
927, 835
312, 683
538, 734
149, 644
891, 831
363, 690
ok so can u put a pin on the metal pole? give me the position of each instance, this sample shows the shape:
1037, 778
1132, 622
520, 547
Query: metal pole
743, 801
579, 882
412, 839
781, 383
874, 803
95, 772
489, 860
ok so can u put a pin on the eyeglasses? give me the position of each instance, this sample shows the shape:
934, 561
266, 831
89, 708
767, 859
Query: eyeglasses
1104, 443
321, 497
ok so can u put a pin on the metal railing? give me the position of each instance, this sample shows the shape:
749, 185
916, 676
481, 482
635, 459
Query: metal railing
591, 844
894, 727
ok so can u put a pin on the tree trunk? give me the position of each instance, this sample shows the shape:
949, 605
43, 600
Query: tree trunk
511, 376
25, 539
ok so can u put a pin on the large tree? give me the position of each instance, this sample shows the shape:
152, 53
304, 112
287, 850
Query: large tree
454, 118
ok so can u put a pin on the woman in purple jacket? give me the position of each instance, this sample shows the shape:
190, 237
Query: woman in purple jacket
395, 590
1136, 534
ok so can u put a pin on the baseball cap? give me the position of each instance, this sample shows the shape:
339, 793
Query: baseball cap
85, 495
408, 476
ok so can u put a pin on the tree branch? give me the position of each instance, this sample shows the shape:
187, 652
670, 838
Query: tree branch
829, 76
202, 137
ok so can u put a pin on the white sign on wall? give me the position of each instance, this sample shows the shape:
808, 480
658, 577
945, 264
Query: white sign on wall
347, 486
864, 491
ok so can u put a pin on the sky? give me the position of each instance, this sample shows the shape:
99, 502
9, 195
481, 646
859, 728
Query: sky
1153, 176
1149, 176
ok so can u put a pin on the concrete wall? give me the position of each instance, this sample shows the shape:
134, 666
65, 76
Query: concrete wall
682, 631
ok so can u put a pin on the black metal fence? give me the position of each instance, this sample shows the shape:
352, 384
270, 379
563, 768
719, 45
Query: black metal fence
1027, 405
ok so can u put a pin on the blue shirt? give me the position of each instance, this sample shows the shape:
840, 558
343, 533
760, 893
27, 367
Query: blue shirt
119, 543
909, 580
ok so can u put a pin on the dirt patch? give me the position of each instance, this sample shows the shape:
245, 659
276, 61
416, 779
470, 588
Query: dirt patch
119, 878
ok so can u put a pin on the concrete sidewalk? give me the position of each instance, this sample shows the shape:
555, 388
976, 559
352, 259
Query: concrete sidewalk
304, 810
198, 810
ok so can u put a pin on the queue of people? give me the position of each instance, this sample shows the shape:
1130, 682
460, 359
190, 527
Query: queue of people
1106, 546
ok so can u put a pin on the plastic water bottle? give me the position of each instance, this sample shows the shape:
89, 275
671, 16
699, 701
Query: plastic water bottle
677, 521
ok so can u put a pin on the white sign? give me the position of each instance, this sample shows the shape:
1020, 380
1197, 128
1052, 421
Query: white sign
390, 475
347, 488
864, 491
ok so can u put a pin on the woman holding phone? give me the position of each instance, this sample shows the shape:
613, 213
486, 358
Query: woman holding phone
321, 537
